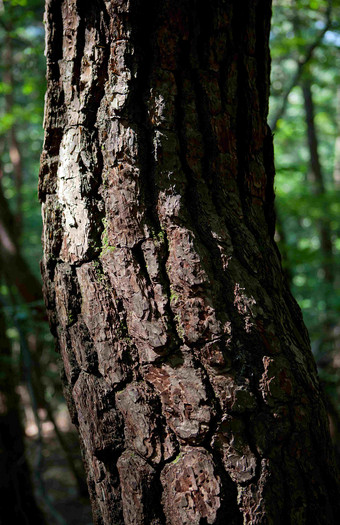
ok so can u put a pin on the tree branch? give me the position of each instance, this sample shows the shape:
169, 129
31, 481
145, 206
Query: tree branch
300, 67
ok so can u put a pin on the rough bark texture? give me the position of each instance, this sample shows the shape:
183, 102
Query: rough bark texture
187, 365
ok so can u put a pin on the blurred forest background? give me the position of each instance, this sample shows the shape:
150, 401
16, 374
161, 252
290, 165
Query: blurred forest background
305, 119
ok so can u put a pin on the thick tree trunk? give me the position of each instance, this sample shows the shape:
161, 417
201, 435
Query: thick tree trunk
187, 365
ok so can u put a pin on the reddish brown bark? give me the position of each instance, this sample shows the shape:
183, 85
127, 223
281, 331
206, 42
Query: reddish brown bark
187, 366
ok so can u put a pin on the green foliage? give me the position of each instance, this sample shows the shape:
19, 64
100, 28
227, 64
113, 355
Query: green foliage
301, 210
22, 87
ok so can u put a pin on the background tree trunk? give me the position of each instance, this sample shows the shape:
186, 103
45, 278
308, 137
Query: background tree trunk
12, 139
318, 184
187, 365
17, 501
336, 171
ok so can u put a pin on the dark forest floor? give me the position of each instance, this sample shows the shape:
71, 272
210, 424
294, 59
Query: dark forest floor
62, 504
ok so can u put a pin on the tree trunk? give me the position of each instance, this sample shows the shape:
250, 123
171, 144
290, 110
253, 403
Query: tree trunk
12, 139
14, 266
187, 365
336, 169
318, 185
17, 501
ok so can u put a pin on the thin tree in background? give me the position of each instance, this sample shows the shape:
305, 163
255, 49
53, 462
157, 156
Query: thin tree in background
17, 501
318, 183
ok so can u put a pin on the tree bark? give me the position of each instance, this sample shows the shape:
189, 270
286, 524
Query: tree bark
188, 370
